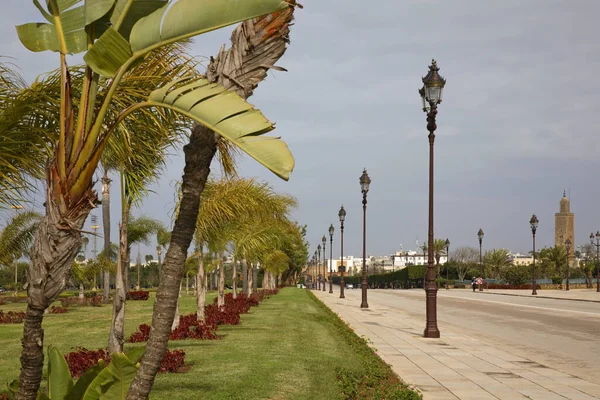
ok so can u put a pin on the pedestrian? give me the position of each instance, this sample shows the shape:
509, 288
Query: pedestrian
473, 283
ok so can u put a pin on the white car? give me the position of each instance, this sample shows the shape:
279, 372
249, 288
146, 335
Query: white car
349, 286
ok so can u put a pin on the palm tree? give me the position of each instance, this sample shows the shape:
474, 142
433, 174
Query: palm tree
439, 249
22, 146
16, 239
496, 260
553, 260
83, 132
139, 230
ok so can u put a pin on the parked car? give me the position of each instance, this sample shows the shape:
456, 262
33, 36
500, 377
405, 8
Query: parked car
349, 286
301, 286
2, 290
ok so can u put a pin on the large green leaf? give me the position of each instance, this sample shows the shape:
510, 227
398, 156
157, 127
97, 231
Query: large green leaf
230, 116
187, 18
113, 381
108, 53
59, 376
96, 9
81, 386
65, 33
128, 12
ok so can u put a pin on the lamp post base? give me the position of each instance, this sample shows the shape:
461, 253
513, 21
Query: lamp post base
431, 328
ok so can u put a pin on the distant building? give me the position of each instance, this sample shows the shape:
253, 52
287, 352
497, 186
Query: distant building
521, 259
403, 258
564, 225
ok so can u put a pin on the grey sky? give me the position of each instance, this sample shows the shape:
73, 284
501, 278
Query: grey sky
516, 126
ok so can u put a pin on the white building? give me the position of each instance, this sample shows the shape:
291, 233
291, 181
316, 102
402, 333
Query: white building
403, 258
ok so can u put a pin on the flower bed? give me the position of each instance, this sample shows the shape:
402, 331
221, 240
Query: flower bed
58, 310
12, 317
82, 359
526, 286
73, 301
190, 328
138, 295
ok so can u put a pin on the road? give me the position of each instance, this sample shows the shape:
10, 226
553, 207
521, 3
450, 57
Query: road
561, 334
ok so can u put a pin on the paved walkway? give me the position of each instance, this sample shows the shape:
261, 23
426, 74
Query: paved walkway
456, 366
573, 294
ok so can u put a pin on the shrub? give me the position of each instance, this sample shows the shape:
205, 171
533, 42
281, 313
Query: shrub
141, 335
95, 301
138, 295
557, 280
88, 294
190, 328
82, 359
173, 361
58, 310
1, 304
12, 317
528, 286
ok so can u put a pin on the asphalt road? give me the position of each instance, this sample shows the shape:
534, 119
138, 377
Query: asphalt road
561, 334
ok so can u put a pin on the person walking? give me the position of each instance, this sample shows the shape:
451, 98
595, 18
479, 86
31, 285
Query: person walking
473, 283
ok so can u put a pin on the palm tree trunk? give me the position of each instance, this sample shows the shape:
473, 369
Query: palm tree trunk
234, 279
116, 336
201, 296
175, 323
254, 279
56, 244
249, 279
117, 328
199, 153
221, 299
245, 277
256, 46
106, 226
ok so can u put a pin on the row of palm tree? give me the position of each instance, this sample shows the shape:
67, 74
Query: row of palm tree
106, 110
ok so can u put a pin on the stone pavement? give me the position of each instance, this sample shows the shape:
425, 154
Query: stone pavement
573, 294
455, 366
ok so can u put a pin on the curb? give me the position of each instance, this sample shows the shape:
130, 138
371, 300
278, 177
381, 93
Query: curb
542, 297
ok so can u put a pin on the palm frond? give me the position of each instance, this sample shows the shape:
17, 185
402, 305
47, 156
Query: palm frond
16, 238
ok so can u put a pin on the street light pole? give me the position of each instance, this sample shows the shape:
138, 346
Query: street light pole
447, 259
533, 222
597, 244
331, 258
318, 267
365, 181
568, 247
342, 215
315, 270
324, 241
480, 237
431, 96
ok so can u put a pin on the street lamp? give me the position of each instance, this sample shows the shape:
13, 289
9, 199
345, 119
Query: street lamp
315, 266
534, 224
318, 268
431, 96
342, 215
447, 259
331, 258
568, 247
365, 181
480, 237
324, 241
597, 244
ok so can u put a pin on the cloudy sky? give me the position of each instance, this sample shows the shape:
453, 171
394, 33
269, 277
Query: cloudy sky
516, 127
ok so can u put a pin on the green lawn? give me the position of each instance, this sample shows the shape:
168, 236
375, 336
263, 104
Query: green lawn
289, 347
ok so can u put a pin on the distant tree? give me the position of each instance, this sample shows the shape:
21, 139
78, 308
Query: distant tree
495, 261
464, 257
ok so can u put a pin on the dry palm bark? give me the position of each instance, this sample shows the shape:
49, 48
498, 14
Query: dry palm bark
256, 46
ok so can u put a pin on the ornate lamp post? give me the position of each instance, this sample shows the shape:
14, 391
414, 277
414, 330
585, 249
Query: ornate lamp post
342, 215
597, 244
318, 267
365, 181
447, 259
324, 241
480, 237
568, 247
331, 258
431, 96
534, 224
315, 271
